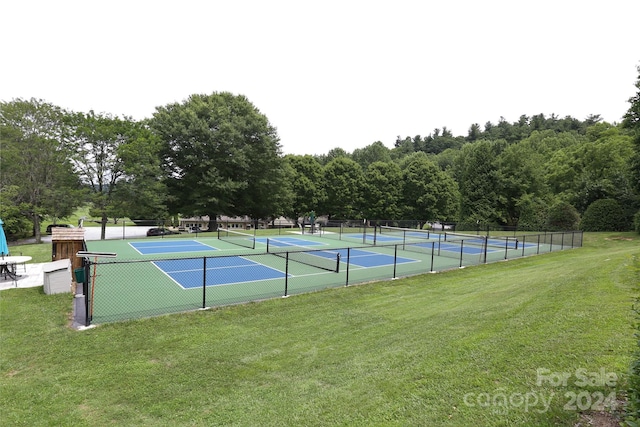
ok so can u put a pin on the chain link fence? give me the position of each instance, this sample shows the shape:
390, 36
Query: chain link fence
121, 290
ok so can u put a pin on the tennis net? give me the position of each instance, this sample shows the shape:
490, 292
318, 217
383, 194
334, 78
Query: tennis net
322, 259
237, 238
420, 247
478, 240
364, 235
275, 245
406, 235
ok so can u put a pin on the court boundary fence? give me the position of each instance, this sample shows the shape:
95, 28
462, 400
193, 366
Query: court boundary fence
531, 244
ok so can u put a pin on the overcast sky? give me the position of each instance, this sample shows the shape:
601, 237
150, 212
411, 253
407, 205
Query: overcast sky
332, 73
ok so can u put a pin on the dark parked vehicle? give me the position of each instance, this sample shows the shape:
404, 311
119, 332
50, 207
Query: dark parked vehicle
51, 226
160, 232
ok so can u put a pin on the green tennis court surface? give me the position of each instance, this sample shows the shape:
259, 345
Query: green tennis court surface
164, 275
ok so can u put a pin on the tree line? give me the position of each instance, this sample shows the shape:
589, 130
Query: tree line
217, 154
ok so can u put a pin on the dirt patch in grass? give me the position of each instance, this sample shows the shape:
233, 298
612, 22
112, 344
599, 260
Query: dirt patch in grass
598, 419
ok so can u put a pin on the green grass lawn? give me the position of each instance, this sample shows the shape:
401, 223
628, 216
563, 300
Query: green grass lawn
479, 346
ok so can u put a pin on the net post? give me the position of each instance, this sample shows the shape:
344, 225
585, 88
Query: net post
255, 230
375, 234
364, 233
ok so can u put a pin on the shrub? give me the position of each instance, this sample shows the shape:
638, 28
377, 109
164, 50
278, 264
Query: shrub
562, 216
604, 215
636, 222
533, 213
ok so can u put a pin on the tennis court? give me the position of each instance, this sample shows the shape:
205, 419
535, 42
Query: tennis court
172, 246
165, 275
288, 242
188, 273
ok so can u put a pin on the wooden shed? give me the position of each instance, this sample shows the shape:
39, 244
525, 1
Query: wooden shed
65, 243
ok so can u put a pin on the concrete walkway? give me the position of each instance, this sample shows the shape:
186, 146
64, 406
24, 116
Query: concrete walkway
32, 277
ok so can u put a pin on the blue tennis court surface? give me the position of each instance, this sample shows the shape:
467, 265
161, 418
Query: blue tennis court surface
362, 258
285, 242
188, 273
358, 257
170, 246
467, 249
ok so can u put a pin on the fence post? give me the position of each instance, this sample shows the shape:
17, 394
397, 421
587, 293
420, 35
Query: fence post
395, 259
461, 251
433, 249
348, 264
286, 275
486, 249
506, 247
204, 282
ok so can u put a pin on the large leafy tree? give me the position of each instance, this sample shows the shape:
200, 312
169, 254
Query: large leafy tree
343, 184
16, 224
382, 191
605, 168
141, 191
376, 152
428, 192
35, 162
221, 156
519, 167
477, 172
632, 122
596, 167
306, 185
334, 153
111, 154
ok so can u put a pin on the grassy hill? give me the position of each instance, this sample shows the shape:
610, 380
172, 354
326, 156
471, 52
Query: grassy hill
532, 342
